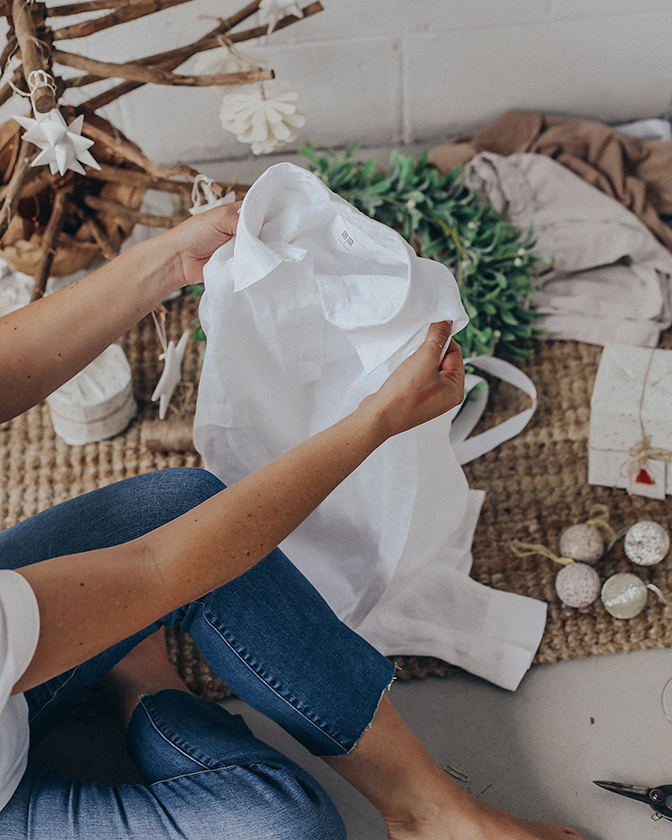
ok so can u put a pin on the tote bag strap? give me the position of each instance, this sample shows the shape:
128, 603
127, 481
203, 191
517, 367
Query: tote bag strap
468, 448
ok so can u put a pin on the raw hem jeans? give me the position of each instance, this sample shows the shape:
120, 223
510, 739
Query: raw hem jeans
268, 634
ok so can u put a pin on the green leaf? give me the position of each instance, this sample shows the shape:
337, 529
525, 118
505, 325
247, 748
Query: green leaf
495, 263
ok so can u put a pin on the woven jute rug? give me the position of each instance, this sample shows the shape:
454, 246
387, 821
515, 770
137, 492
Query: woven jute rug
536, 486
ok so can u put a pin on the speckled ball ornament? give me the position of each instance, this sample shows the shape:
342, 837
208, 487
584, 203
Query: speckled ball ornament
624, 595
577, 585
582, 542
646, 543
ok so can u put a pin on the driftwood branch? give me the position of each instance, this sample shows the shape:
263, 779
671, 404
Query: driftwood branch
42, 181
148, 75
26, 153
9, 49
260, 31
173, 58
121, 14
133, 178
31, 39
32, 56
85, 6
49, 243
127, 151
7, 91
106, 205
107, 249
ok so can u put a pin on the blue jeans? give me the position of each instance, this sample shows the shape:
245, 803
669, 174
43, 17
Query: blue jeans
268, 634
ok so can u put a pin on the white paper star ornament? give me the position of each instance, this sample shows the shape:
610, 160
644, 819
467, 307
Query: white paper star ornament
62, 146
172, 371
271, 12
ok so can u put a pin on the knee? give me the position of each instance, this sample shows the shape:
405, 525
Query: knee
264, 799
147, 501
294, 806
177, 490
308, 813
192, 483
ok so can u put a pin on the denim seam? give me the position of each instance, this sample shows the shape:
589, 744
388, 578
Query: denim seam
169, 740
205, 770
270, 687
52, 697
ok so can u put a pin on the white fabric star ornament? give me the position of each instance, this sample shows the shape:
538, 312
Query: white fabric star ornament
62, 145
264, 115
172, 371
272, 11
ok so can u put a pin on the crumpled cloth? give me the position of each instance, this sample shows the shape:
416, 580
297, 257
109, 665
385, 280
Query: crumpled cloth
635, 172
307, 311
609, 282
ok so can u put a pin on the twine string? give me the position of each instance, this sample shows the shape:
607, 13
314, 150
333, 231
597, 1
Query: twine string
523, 549
40, 79
160, 324
230, 46
598, 517
642, 451
202, 192
658, 592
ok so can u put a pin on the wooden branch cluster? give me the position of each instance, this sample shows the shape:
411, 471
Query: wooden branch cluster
31, 38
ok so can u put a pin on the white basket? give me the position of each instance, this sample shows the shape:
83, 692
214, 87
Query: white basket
97, 403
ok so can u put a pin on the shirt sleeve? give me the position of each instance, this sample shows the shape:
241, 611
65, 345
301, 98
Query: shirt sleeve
19, 629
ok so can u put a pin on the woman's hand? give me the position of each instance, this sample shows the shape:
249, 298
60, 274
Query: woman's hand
195, 240
423, 386
48, 342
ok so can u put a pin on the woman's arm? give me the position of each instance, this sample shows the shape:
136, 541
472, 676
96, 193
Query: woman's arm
49, 341
90, 601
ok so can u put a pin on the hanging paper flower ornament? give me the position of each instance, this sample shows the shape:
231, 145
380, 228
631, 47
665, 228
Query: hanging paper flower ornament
62, 145
204, 197
229, 59
265, 115
272, 11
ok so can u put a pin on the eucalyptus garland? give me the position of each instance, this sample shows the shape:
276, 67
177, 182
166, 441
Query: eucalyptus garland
493, 261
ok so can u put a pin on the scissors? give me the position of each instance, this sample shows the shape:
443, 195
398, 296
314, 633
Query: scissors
659, 798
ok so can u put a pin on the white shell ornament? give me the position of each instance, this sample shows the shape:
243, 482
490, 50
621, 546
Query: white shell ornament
577, 585
265, 115
582, 542
646, 543
624, 595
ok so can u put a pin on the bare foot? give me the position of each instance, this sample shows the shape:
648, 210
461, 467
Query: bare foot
471, 819
144, 670
417, 799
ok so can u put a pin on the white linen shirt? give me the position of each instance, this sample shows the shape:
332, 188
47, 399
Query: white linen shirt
19, 629
306, 311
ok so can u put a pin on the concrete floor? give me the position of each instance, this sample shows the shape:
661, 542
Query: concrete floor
534, 752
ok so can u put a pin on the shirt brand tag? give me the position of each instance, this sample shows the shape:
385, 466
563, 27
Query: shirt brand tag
347, 237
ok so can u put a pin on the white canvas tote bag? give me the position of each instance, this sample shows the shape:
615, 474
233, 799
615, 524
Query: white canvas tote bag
306, 311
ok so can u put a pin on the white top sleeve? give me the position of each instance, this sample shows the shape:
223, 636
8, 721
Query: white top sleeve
19, 630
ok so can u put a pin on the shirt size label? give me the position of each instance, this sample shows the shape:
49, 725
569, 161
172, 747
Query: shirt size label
347, 237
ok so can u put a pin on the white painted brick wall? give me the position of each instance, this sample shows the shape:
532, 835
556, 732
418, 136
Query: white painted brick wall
391, 72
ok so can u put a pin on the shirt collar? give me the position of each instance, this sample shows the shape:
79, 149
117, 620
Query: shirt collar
380, 317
